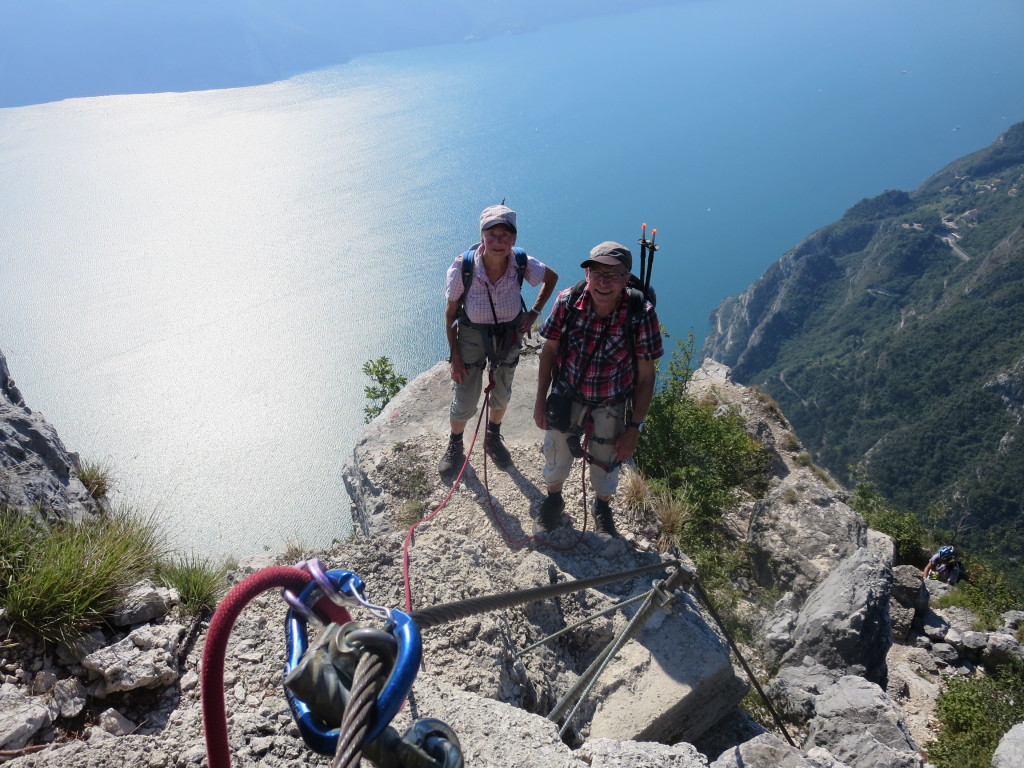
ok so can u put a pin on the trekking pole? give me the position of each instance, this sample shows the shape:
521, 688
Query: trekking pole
647, 249
643, 251
650, 261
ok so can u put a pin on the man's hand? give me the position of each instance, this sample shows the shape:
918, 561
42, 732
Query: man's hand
458, 368
625, 444
540, 415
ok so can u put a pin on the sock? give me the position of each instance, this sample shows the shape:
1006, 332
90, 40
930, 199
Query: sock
554, 494
453, 438
495, 428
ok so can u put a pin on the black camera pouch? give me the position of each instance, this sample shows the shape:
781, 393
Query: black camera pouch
558, 409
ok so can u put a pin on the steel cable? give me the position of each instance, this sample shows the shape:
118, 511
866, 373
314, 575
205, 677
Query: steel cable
355, 721
425, 618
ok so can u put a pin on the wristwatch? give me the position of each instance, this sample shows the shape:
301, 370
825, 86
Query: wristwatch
638, 424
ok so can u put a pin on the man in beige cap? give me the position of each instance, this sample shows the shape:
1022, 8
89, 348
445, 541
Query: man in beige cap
484, 320
596, 379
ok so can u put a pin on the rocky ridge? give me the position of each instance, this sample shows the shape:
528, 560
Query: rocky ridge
851, 695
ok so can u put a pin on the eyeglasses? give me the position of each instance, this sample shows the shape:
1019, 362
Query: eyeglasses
607, 276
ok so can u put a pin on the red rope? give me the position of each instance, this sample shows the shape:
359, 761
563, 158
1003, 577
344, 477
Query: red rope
494, 513
215, 725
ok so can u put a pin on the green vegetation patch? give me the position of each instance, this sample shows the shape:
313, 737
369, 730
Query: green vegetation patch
699, 460
199, 581
974, 714
62, 580
385, 384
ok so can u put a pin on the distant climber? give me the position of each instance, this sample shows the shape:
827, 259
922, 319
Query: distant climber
484, 319
944, 566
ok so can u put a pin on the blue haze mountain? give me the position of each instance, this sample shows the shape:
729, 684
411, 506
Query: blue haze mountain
52, 49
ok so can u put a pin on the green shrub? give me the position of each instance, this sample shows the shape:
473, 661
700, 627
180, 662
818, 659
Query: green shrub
974, 714
386, 384
97, 479
986, 593
200, 583
697, 450
62, 580
904, 527
698, 458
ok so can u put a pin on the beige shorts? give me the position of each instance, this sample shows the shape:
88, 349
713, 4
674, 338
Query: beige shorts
474, 355
609, 423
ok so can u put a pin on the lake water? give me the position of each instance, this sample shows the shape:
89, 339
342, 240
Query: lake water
190, 283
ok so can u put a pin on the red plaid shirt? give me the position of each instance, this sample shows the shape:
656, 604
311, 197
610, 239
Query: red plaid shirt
609, 372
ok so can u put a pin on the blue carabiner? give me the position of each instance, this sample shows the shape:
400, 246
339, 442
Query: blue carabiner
399, 682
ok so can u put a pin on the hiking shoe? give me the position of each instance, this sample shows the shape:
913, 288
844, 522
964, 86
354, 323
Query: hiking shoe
550, 516
494, 446
603, 522
453, 457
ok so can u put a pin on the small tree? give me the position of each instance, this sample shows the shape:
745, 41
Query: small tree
385, 385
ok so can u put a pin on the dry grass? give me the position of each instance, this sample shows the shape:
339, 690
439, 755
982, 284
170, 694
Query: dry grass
671, 514
633, 490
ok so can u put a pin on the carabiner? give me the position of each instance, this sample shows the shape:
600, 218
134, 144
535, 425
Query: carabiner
401, 677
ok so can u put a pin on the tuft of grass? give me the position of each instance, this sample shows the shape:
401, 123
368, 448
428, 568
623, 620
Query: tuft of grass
633, 489
200, 583
63, 580
410, 512
294, 551
672, 514
790, 442
97, 479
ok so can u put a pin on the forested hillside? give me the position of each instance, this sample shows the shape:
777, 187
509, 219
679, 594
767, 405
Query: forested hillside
893, 339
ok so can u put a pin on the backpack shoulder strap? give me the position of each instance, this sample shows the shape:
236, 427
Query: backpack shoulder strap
521, 263
467, 269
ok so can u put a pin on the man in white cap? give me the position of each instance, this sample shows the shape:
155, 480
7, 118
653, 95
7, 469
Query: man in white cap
484, 322
596, 380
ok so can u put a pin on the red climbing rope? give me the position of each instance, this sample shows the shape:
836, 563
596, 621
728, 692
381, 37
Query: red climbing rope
212, 673
505, 534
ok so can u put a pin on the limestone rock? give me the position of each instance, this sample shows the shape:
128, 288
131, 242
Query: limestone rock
146, 658
844, 624
799, 534
671, 685
1000, 648
1010, 752
855, 721
145, 602
769, 751
35, 467
20, 718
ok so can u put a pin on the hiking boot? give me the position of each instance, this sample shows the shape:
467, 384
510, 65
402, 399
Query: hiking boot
494, 446
550, 516
453, 457
603, 522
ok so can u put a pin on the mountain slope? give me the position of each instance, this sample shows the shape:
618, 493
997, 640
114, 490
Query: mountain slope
894, 339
